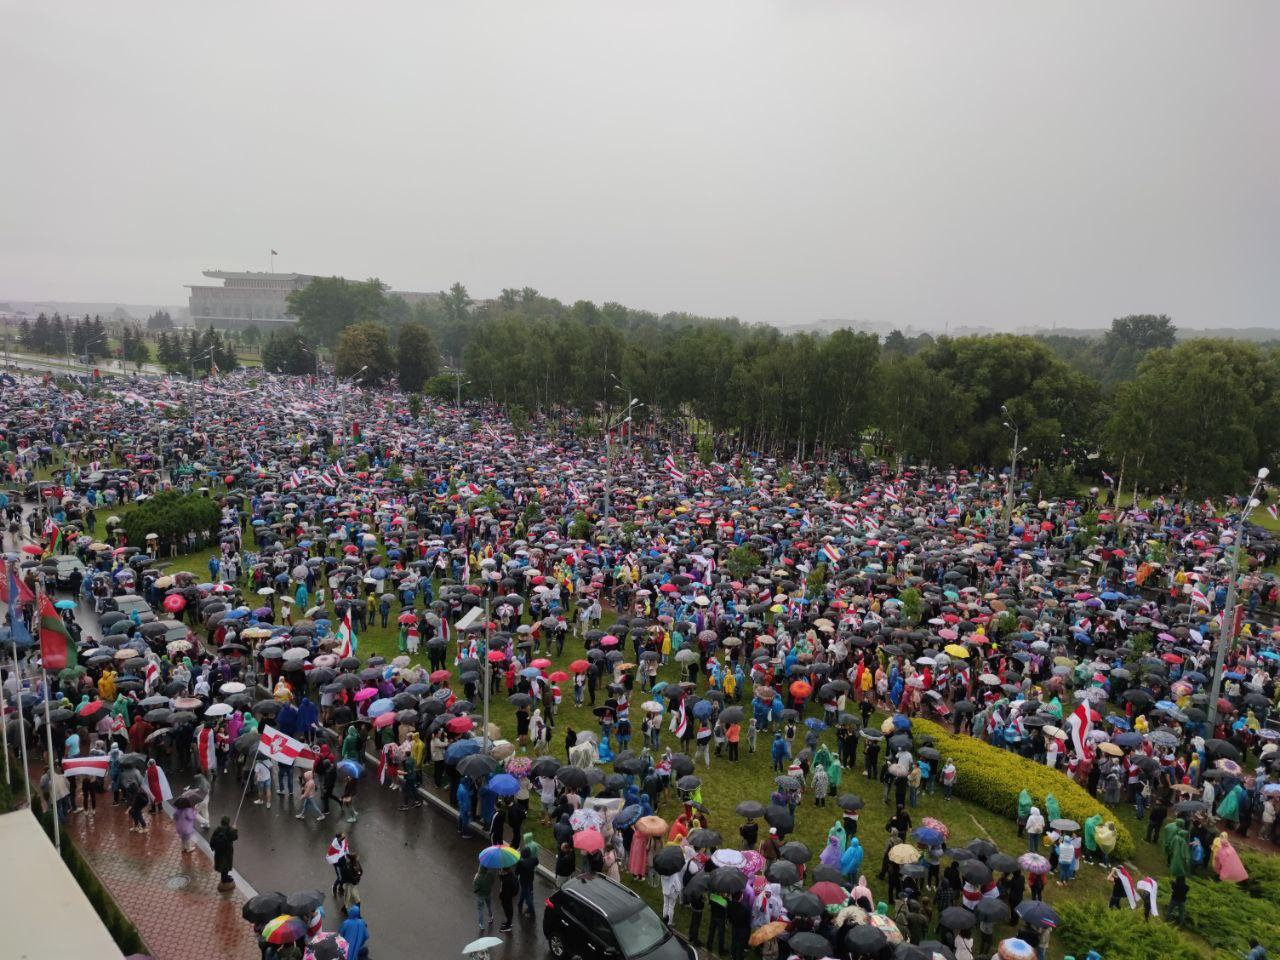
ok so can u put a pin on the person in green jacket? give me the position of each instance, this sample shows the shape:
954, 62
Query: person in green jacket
1179, 852
1024, 809
1229, 808
351, 751
1091, 839
482, 888
1051, 809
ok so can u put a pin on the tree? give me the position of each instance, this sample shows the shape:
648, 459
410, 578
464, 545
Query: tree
456, 302
160, 320
1204, 415
251, 335
364, 353
417, 357
328, 305
287, 351
743, 562
1129, 340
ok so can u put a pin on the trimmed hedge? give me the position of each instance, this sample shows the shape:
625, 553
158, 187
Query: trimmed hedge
993, 778
1226, 915
1121, 934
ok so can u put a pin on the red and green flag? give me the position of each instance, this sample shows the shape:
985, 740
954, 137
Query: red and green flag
57, 652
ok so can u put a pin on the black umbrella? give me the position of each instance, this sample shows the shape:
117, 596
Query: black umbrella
982, 848
572, 777
263, 907
669, 860
796, 852
976, 872
780, 818
782, 872
728, 881
477, 766
304, 903
806, 943
703, 838
862, 938
801, 903
1002, 863
957, 918
849, 801
750, 809
993, 911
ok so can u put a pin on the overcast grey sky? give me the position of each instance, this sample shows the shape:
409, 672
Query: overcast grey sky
1000, 163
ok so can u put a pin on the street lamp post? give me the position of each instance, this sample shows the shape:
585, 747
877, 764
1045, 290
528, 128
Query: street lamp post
609, 426
1011, 424
1226, 632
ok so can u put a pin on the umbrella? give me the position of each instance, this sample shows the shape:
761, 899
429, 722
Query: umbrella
588, 841
802, 904
1033, 863
669, 860
1038, 914
863, 938
730, 882
808, 944
903, 853
957, 918
498, 857
1063, 825
284, 929
992, 911
782, 872
829, 893
330, 946
849, 801
263, 907
703, 838
750, 809
1014, 949
303, 903
651, 826
796, 852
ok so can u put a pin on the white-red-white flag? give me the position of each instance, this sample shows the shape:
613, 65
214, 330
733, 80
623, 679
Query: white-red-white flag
283, 748
85, 766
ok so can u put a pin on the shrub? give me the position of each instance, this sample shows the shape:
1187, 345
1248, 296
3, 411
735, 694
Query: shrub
172, 515
1120, 935
993, 778
1226, 915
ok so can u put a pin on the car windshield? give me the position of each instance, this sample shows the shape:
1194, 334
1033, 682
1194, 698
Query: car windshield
640, 932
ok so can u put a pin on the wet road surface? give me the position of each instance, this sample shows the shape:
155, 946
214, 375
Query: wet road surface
416, 891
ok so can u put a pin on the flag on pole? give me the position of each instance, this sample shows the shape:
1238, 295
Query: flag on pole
1128, 886
673, 471
158, 784
207, 749
57, 652
1080, 723
347, 640
283, 748
85, 766
53, 533
19, 634
1271, 509
150, 675
831, 552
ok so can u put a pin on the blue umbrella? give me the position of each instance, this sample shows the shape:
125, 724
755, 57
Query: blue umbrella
531, 672
65, 604
816, 725
928, 836
627, 816
702, 709
1166, 705
901, 722
1128, 739
1111, 595
379, 707
504, 784
463, 748
351, 769
1117, 721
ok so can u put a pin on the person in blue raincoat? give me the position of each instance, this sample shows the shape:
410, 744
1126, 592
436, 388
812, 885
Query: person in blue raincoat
465, 799
851, 861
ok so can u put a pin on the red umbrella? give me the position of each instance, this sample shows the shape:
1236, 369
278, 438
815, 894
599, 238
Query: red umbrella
407, 618
175, 602
669, 588
497, 656
579, 666
368, 693
558, 676
588, 841
541, 663
829, 893
459, 725
439, 676
32, 549
88, 709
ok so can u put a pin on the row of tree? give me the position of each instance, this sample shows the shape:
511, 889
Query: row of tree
79, 337
1201, 414
195, 351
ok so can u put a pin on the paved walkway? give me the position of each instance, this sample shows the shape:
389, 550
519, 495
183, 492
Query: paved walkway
171, 898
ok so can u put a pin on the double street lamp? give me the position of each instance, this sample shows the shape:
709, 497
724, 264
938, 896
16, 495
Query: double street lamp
1011, 425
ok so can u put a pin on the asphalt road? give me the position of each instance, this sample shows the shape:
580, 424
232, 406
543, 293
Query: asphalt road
416, 891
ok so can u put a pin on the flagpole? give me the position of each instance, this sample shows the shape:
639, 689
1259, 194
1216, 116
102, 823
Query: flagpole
4, 733
48, 729
245, 792
22, 726
488, 679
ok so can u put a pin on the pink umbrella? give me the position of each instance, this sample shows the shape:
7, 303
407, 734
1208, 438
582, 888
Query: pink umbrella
588, 841
367, 693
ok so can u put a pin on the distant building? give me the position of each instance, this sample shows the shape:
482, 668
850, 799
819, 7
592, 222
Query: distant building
245, 299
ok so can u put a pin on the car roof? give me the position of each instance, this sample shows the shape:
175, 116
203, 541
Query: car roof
604, 894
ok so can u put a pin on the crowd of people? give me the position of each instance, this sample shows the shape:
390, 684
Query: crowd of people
697, 613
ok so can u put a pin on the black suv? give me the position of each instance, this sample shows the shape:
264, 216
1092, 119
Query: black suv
597, 919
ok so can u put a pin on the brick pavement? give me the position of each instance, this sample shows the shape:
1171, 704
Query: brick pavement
171, 897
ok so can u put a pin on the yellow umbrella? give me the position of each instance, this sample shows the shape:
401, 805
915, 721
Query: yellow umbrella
955, 650
1111, 749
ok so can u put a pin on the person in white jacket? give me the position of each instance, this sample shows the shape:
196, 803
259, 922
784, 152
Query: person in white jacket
1035, 829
